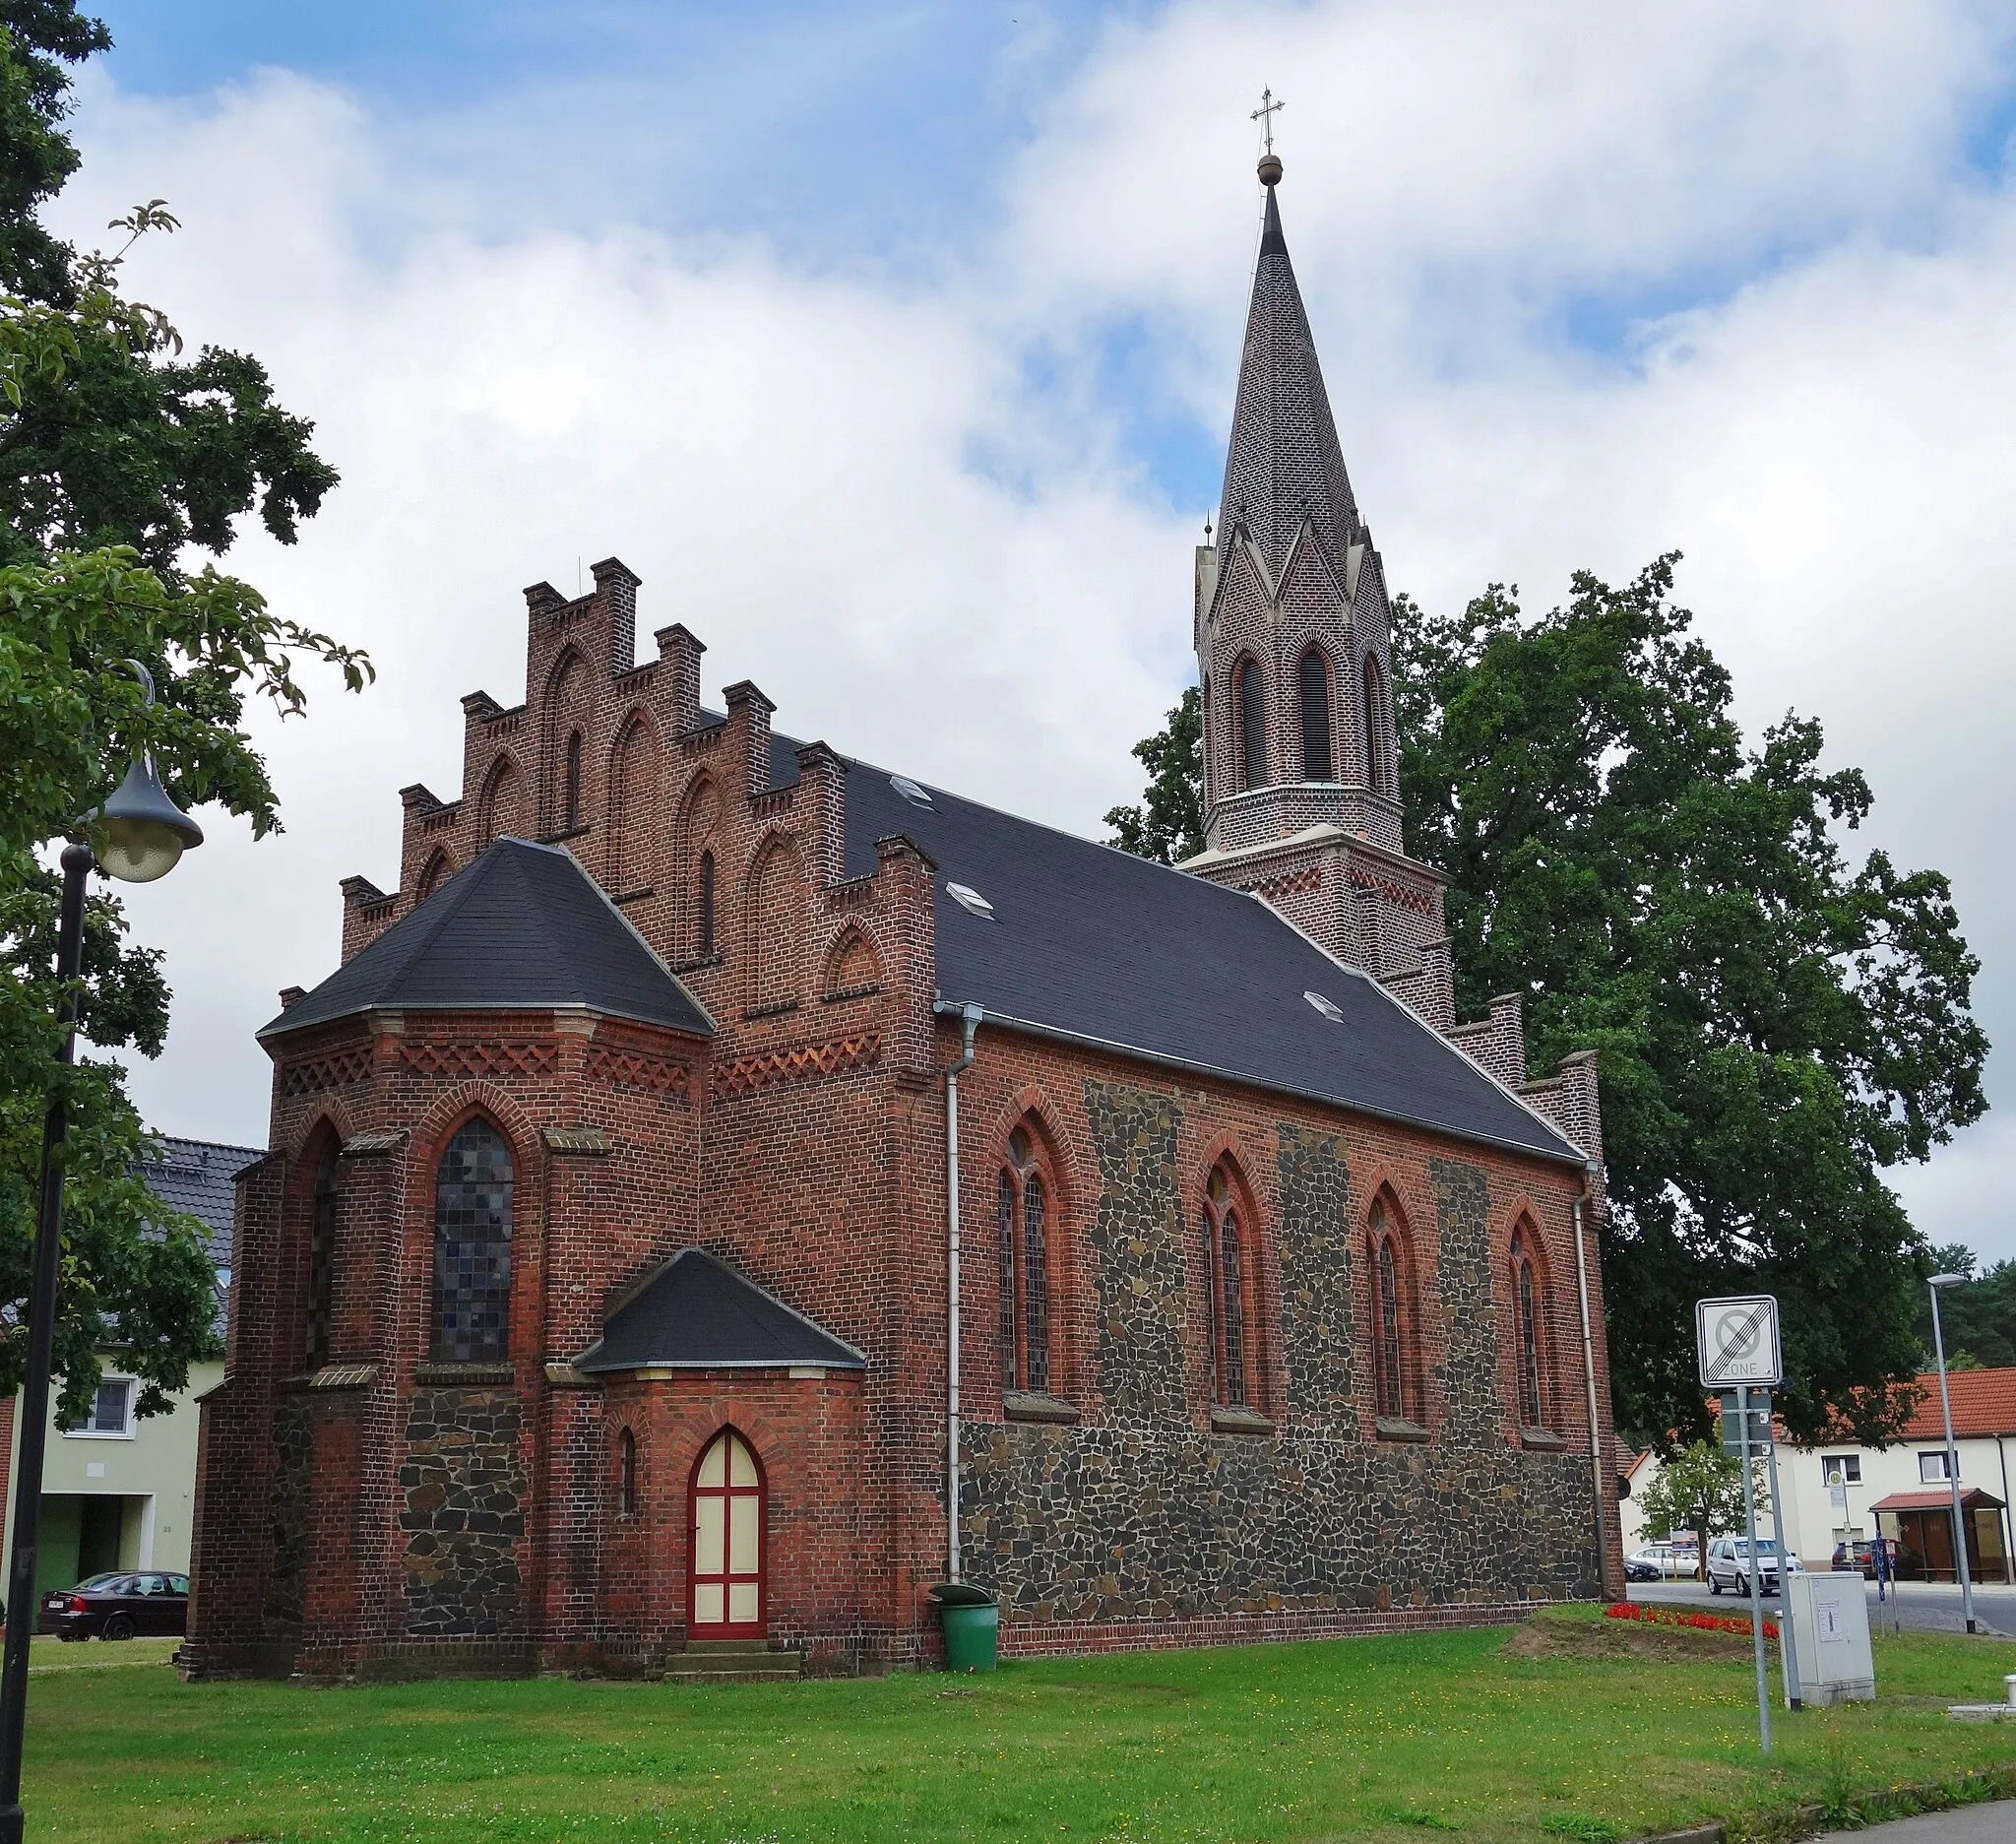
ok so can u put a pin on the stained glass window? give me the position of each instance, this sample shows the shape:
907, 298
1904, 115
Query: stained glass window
1224, 1293
1388, 1375
1526, 1308
321, 1258
472, 1246
1023, 1204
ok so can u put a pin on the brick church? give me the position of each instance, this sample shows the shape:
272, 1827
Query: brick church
728, 1187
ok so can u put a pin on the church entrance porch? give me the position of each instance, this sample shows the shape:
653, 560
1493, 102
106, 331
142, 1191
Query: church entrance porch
727, 1599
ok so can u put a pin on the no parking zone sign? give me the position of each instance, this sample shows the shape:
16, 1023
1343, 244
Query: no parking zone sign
1738, 1342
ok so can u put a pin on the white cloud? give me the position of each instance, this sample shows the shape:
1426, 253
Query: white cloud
786, 456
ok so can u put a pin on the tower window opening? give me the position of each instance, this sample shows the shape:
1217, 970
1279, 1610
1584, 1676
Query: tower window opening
571, 815
1252, 737
1315, 688
705, 903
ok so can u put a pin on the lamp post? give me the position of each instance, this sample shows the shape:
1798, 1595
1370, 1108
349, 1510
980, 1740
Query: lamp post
145, 835
1952, 1453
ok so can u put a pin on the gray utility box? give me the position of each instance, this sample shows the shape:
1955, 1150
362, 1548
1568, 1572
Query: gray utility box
1829, 1618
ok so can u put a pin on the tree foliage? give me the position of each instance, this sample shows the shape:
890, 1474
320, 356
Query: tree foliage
116, 459
1774, 1024
1979, 1319
1700, 1488
1169, 824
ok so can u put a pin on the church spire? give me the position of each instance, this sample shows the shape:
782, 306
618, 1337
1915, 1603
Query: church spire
1283, 467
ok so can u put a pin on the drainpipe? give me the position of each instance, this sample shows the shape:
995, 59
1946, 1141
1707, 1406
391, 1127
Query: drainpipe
970, 1019
1596, 1463
2008, 1516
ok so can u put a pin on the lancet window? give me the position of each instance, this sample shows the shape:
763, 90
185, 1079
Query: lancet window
473, 1186
1395, 1395
1023, 1207
1314, 675
1227, 1280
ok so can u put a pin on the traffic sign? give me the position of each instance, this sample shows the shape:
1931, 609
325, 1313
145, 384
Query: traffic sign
1737, 1341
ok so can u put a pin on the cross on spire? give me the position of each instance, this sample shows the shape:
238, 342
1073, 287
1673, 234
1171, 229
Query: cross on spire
1265, 114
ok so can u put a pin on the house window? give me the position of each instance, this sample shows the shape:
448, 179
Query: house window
1225, 1268
704, 903
627, 1473
472, 1246
1252, 726
110, 1415
1526, 1308
1315, 688
1849, 1466
1395, 1398
1931, 1468
572, 804
321, 1258
1022, 1211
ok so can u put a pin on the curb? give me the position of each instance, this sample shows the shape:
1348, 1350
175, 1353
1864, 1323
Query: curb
1806, 1821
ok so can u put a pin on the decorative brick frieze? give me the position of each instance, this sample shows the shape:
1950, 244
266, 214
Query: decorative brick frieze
630, 1069
432, 1058
749, 1074
337, 1071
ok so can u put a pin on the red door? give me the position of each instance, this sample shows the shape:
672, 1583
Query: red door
726, 1543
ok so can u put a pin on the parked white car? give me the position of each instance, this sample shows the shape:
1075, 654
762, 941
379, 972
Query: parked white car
1729, 1564
1660, 1562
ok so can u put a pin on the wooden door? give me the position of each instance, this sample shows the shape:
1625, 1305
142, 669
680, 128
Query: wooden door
727, 1550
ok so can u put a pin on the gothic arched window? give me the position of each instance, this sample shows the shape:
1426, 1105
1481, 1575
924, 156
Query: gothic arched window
1396, 1397
627, 1473
703, 902
1021, 1209
1529, 1302
472, 1246
1314, 672
571, 801
1378, 764
1225, 1285
321, 1258
1252, 738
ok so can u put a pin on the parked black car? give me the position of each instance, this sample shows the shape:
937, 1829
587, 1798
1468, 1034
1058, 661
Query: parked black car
123, 1604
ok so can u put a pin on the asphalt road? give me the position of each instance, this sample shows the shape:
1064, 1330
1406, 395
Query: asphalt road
1993, 1823
1927, 1605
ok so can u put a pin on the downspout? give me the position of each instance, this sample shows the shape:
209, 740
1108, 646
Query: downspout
1595, 1462
2008, 1516
969, 1021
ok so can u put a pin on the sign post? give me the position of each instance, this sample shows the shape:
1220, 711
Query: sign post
1792, 1688
1737, 1342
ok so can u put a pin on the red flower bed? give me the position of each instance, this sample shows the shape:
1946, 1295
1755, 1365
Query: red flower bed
1681, 1617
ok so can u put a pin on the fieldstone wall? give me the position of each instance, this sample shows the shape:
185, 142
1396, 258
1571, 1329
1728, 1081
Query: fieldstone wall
1138, 1516
1138, 1269
1112, 1524
461, 1503
1315, 1276
287, 1513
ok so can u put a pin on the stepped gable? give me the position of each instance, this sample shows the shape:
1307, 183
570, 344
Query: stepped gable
699, 1313
1092, 944
1283, 464
522, 927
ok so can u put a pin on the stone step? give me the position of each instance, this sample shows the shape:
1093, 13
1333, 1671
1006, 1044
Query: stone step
719, 1661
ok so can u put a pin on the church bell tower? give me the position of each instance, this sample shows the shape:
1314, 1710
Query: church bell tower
1293, 637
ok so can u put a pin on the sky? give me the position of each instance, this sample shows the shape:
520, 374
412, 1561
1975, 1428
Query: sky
894, 346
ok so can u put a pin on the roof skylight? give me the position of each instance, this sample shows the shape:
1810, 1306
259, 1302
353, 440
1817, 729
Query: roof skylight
971, 900
1328, 1007
912, 792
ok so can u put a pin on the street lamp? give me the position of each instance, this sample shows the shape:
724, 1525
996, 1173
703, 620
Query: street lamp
145, 835
1937, 1282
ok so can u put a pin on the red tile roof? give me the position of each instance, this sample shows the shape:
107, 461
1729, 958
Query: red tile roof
1983, 1403
1939, 1498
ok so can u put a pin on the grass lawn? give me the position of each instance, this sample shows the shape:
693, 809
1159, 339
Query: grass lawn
1387, 1738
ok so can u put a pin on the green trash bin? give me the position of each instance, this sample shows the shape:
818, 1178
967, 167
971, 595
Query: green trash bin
972, 1626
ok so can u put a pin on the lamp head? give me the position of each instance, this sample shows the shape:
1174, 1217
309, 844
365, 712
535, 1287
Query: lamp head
146, 833
1948, 1280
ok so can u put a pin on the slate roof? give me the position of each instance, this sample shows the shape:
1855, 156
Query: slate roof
699, 1313
1094, 945
521, 927
197, 1176
1284, 463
